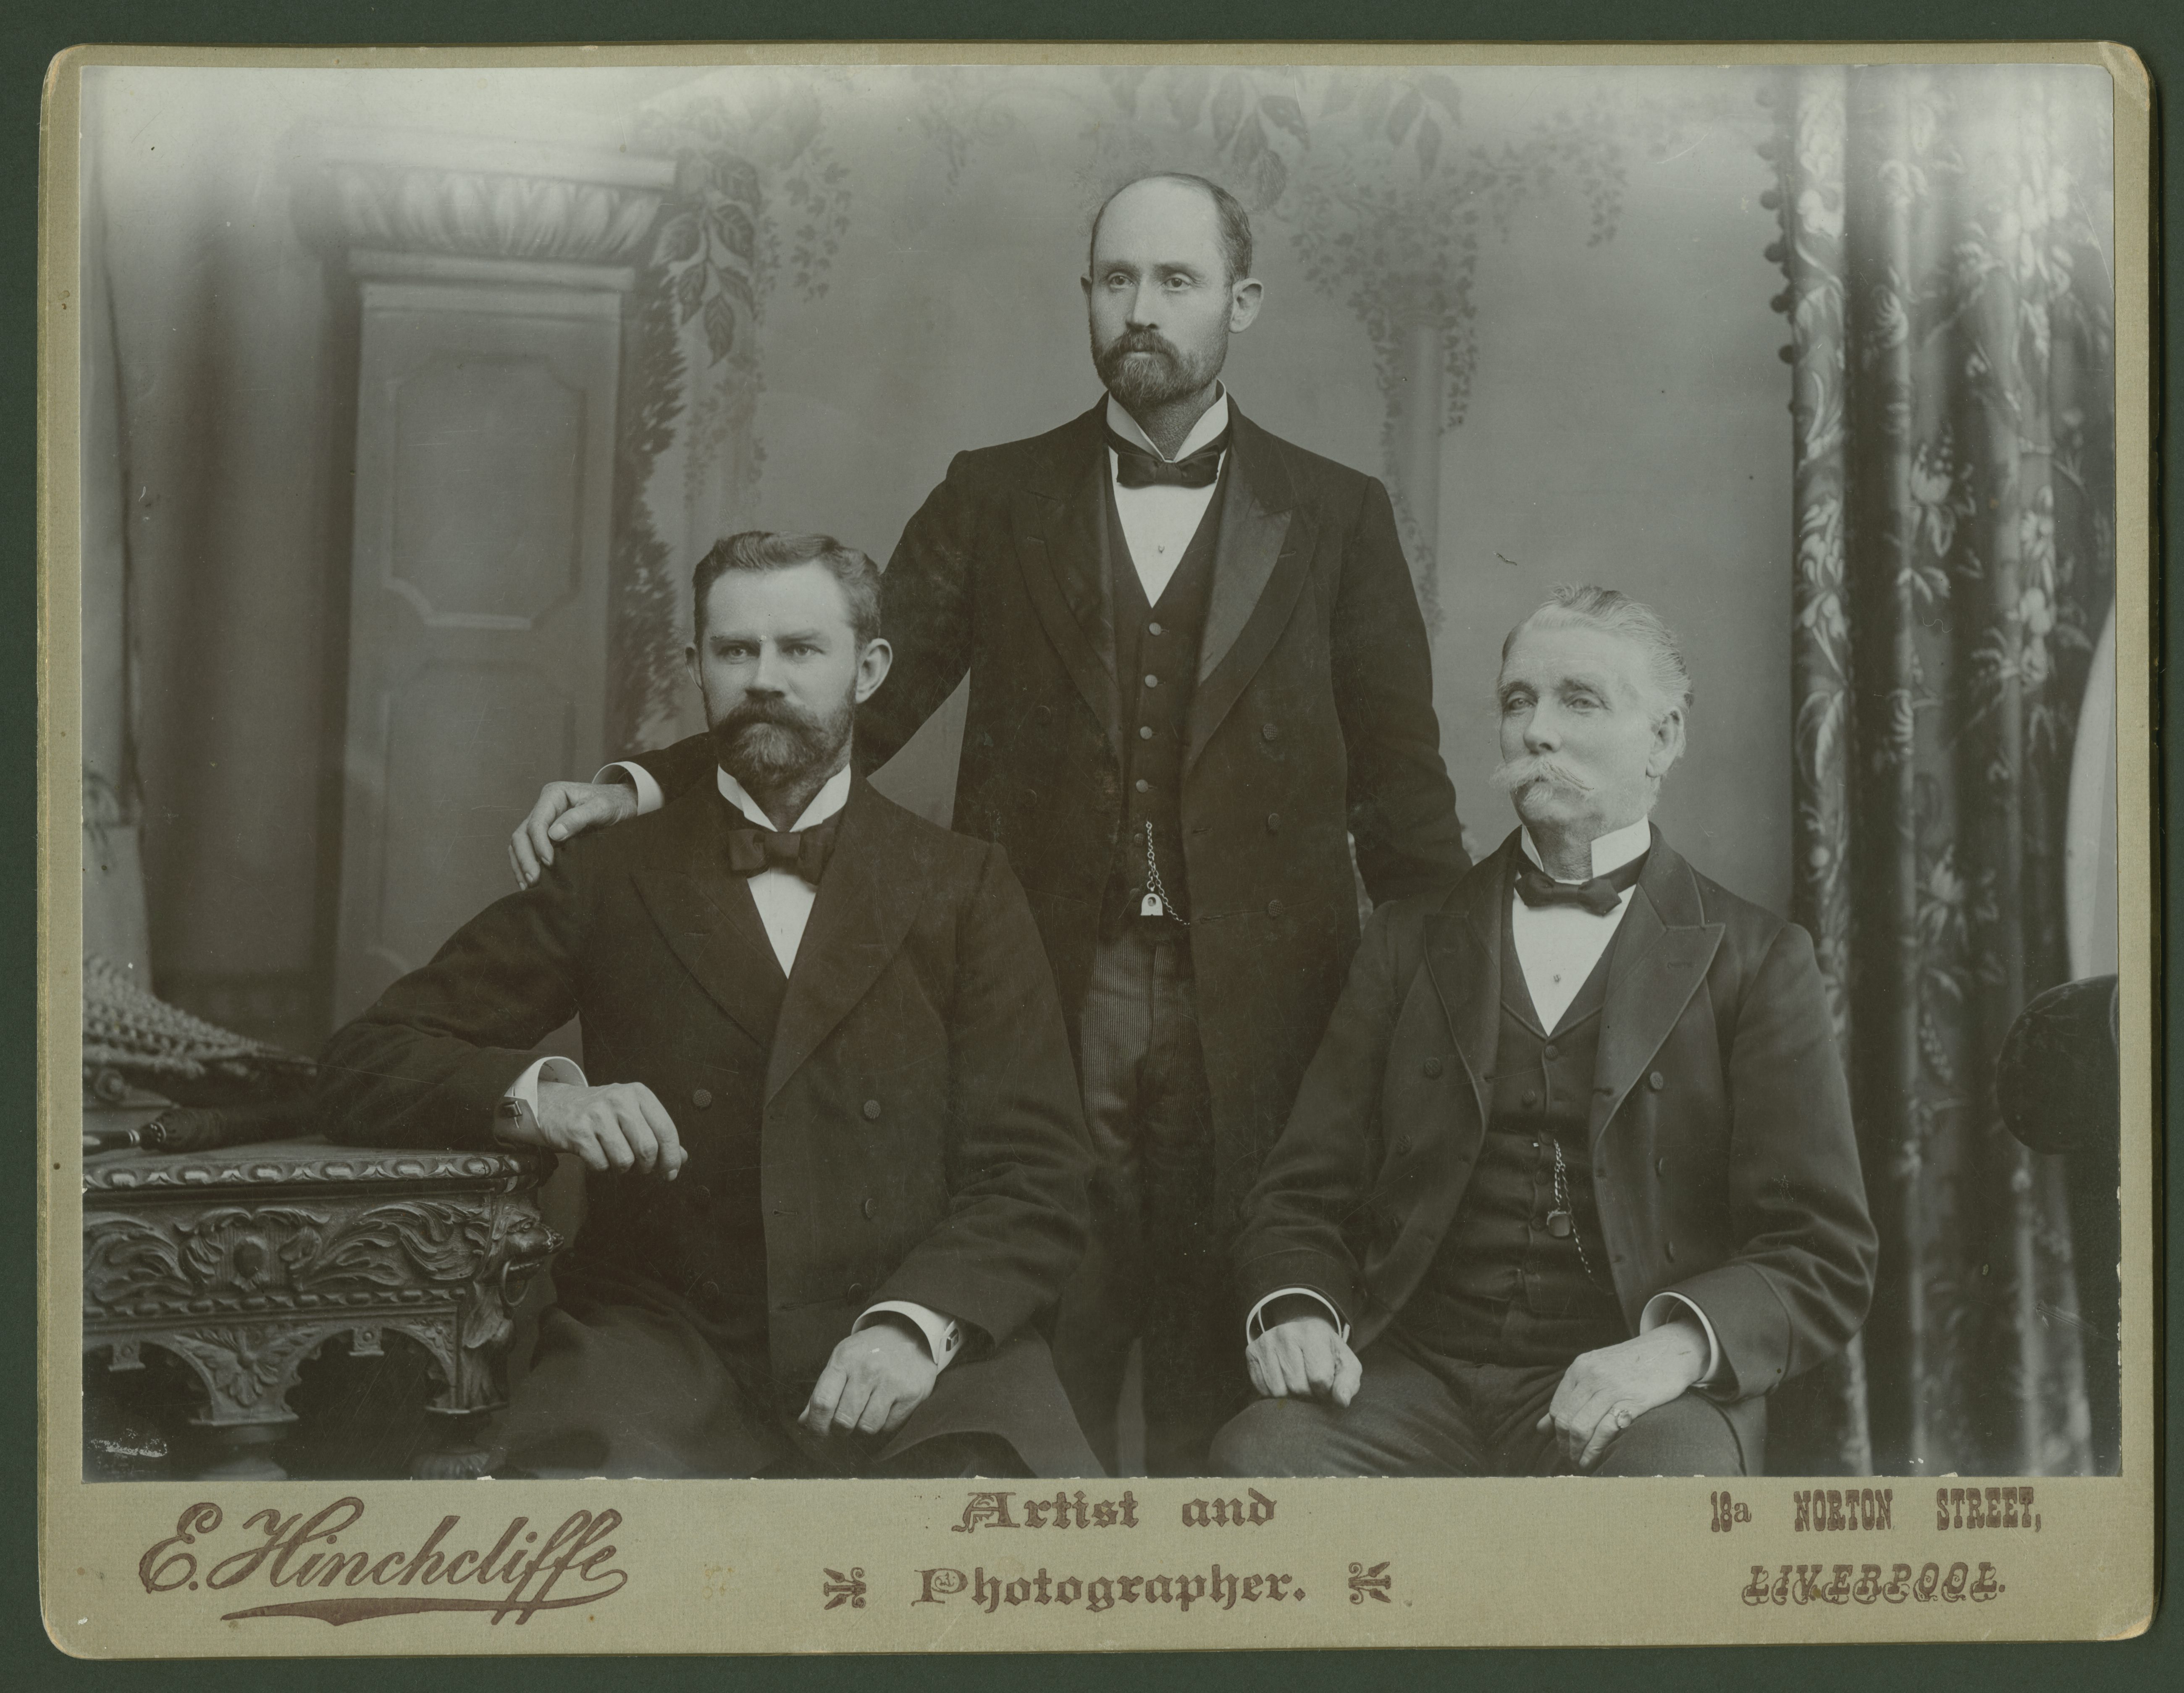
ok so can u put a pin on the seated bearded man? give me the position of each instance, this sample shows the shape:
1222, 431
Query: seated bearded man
836, 1162
1571, 1184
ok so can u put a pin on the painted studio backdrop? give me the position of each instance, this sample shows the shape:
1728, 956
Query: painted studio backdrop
411, 398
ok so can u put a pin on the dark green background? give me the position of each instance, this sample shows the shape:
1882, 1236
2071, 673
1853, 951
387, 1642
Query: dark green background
30, 34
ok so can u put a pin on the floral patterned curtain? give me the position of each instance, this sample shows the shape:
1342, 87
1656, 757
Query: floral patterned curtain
1948, 238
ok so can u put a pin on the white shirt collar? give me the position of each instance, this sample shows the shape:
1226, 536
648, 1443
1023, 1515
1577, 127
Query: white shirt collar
824, 804
1215, 420
1610, 852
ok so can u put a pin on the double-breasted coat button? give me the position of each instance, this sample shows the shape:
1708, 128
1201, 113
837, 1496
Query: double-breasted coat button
704, 1193
1274, 822
1431, 1068
701, 1097
1267, 731
711, 1289
1553, 1051
1273, 908
856, 1290
1531, 1096
1669, 1247
871, 1111
871, 1208
1660, 1166
1657, 1081
1404, 1144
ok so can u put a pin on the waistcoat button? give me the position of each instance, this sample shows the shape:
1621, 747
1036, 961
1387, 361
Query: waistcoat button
1660, 1166
1553, 1050
1145, 731
1669, 1247
1267, 731
1274, 822
871, 1111
711, 1289
1432, 1068
1404, 1144
700, 1097
1273, 908
1152, 629
871, 1208
1152, 681
1531, 1096
1144, 786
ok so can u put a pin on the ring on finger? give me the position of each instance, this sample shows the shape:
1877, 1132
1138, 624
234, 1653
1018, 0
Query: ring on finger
1622, 1417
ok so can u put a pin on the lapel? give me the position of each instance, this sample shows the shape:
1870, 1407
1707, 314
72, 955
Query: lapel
1663, 952
1464, 956
1061, 527
707, 917
1260, 557
867, 899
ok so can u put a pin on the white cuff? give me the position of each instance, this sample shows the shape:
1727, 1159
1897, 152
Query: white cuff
944, 1335
1252, 1329
521, 1098
649, 796
1657, 1312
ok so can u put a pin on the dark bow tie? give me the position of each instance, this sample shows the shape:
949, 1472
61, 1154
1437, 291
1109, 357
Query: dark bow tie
1136, 468
801, 852
1536, 887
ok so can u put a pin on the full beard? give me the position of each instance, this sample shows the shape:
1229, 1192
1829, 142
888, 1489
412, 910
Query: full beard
1146, 371
768, 744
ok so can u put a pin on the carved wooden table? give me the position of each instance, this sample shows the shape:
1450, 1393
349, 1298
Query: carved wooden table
243, 1262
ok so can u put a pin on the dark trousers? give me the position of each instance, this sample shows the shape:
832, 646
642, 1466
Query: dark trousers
1157, 1270
621, 1391
1416, 1415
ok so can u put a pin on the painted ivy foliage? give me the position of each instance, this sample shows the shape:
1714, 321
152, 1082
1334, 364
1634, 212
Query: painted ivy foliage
758, 194
708, 244
754, 186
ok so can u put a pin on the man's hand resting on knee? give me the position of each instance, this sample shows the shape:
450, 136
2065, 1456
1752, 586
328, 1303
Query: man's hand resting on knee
1304, 1357
1603, 1393
876, 1379
564, 810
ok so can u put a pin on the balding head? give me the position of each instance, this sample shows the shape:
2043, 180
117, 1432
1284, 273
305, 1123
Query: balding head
1169, 195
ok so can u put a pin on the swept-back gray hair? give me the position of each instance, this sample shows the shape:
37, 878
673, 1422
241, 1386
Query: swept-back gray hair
1618, 613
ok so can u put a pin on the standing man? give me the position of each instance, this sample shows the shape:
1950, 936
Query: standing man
1198, 676
1572, 1184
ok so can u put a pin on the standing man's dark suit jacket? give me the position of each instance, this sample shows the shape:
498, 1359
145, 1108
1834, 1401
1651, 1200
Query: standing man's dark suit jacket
920, 1137
1312, 720
1724, 1163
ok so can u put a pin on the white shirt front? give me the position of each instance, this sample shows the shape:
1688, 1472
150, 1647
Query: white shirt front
1158, 521
1558, 945
784, 899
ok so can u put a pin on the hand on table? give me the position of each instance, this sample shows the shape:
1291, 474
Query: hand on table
621, 1125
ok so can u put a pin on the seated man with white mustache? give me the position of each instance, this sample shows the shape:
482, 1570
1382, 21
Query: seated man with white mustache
1572, 1182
